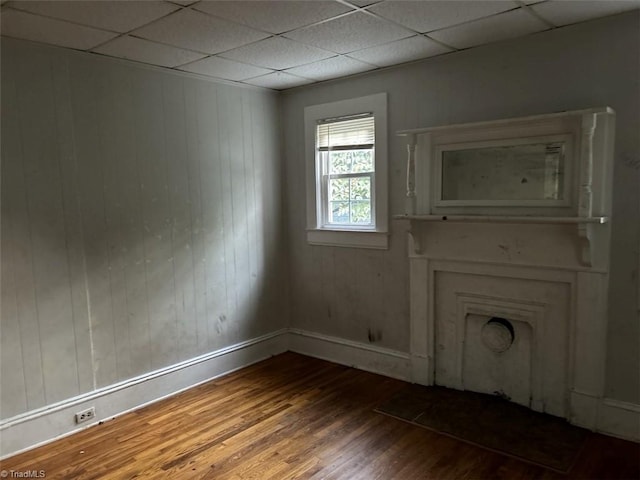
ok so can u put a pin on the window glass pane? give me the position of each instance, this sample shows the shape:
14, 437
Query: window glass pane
350, 201
339, 162
351, 161
338, 189
361, 211
339, 212
361, 161
360, 188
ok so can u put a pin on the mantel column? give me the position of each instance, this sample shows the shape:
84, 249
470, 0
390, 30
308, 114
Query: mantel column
411, 174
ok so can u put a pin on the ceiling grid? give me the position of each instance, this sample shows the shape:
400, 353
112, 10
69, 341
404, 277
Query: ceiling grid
280, 44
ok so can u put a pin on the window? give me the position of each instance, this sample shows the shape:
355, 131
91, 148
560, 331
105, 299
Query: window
347, 173
345, 152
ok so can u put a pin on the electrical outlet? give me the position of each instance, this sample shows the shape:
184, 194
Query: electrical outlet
86, 415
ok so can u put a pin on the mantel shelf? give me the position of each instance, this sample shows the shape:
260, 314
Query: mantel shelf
503, 219
584, 225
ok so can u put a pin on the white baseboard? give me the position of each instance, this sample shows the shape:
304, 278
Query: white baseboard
44, 425
384, 361
584, 410
620, 419
38, 427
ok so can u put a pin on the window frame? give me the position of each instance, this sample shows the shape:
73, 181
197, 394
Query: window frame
319, 233
324, 160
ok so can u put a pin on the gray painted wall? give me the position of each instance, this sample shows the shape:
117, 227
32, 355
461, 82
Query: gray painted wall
141, 221
351, 293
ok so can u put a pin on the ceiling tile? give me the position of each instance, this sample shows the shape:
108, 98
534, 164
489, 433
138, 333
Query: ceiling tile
400, 51
108, 15
277, 53
363, 3
433, 15
349, 33
331, 68
145, 51
274, 16
491, 29
48, 30
223, 68
564, 13
278, 81
199, 31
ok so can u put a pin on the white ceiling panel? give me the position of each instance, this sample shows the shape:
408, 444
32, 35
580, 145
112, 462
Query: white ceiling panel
199, 31
117, 16
223, 68
277, 53
564, 13
48, 30
304, 40
363, 3
278, 81
490, 29
400, 51
349, 33
334, 67
274, 16
145, 51
427, 16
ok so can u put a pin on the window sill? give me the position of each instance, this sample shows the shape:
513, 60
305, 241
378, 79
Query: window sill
349, 238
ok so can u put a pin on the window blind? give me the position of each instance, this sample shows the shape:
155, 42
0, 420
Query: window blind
346, 135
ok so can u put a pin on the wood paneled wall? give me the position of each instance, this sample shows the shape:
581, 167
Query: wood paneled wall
141, 221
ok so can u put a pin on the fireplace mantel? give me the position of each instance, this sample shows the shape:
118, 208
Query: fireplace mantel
540, 263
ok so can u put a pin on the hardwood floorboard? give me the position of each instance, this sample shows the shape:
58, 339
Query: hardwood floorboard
293, 417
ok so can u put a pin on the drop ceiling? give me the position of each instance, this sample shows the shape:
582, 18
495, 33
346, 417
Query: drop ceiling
284, 44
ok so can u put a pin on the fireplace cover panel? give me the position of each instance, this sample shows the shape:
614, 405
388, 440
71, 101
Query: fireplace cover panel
496, 359
532, 371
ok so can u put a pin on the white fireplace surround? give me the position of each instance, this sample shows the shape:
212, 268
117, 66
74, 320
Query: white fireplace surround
542, 266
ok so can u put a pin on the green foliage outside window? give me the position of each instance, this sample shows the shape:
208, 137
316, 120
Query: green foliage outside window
350, 196
351, 161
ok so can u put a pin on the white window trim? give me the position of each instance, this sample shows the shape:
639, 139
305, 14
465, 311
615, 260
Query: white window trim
348, 236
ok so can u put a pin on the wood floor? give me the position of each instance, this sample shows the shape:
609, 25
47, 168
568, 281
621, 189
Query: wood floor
292, 417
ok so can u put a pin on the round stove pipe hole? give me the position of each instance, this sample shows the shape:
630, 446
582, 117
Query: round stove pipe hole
498, 335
